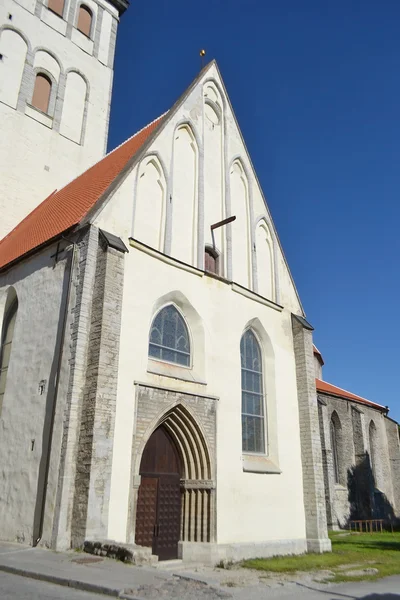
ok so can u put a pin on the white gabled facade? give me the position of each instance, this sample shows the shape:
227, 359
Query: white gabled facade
42, 151
113, 395
195, 173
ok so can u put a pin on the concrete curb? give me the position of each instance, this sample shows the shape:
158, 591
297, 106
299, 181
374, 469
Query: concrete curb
72, 583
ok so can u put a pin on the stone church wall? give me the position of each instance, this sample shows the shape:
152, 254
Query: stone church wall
366, 486
41, 286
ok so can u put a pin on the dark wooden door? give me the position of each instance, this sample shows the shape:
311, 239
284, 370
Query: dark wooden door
158, 513
168, 517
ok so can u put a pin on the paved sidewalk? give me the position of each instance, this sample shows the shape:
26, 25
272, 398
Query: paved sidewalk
78, 570
178, 582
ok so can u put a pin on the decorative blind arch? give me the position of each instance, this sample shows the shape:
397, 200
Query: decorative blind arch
169, 337
41, 92
7, 333
253, 413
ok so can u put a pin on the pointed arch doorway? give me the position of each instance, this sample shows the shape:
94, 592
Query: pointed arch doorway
158, 514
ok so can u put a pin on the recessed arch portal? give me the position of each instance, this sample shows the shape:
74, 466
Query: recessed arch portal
178, 430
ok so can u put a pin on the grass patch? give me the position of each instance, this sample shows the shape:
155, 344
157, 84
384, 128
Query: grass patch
380, 551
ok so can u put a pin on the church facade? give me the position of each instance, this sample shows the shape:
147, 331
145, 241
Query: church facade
157, 377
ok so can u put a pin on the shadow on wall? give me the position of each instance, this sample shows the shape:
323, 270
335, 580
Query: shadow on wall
365, 500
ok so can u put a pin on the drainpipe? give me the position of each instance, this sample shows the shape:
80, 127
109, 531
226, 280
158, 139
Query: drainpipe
38, 530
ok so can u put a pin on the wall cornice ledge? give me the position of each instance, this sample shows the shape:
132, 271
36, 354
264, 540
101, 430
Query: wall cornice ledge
253, 296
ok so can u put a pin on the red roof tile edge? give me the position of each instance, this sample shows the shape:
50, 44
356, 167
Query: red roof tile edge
333, 390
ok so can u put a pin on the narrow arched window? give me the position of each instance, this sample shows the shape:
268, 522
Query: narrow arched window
169, 337
5, 346
211, 261
336, 447
84, 20
372, 447
41, 93
335, 454
56, 6
253, 426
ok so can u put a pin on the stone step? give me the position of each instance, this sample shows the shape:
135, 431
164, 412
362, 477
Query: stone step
137, 555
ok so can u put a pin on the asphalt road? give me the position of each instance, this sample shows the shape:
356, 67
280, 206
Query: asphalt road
13, 587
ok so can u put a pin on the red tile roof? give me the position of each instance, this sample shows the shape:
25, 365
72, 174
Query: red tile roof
65, 208
318, 353
332, 390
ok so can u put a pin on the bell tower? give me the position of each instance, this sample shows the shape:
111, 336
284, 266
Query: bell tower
56, 72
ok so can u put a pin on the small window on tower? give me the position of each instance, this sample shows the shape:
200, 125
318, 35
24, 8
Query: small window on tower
56, 6
84, 20
211, 261
41, 93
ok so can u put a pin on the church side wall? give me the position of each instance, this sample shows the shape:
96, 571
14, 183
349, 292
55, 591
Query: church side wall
41, 288
355, 458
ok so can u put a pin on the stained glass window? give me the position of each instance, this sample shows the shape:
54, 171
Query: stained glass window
253, 435
169, 337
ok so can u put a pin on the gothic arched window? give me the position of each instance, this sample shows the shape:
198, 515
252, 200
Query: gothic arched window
41, 92
169, 337
56, 6
84, 20
5, 345
253, 427
336, 441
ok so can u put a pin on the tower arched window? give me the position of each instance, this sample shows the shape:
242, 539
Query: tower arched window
41, 92
56, 6
336, 446
169, 337
253, 418
85, 17
5, 345
211, 261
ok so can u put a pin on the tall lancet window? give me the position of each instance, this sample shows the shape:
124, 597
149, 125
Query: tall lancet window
5, 345
336, 446
253, 421
373, 448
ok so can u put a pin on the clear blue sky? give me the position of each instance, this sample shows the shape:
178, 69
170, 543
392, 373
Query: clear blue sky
316, 89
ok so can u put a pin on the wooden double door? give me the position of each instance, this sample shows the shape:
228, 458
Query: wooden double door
158, 513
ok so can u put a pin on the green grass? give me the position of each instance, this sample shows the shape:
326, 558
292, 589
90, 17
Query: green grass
378, 550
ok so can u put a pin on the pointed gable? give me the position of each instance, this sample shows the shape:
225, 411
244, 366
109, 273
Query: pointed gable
66, 208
